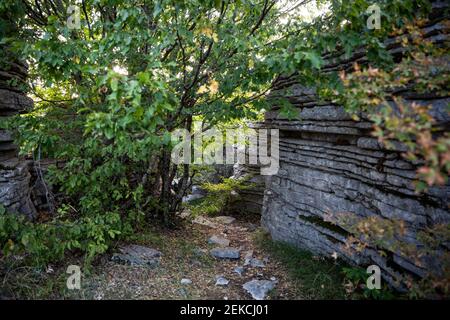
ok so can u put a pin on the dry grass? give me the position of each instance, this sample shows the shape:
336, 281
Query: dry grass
185, 255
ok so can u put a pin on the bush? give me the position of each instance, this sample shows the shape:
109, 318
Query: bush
44, 242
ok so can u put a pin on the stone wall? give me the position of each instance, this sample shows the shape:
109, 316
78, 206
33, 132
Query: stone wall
331, 164
14, 174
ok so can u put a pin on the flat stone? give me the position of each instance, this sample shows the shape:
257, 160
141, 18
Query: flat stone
185, 214
219, 241
248, 256
258, 289
224, 219
204, 222
197, 193
239, 270
137, 255
222, 281
225, 253
186, 281
256, 263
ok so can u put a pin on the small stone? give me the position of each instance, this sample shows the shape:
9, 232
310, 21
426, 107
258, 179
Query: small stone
248, 256
222, 281
186, 281
258, 289
256, 263
204, 222
219, 241
137, 255
183, 292
239, 270
225, 219
249, 260
225, 253
185, 214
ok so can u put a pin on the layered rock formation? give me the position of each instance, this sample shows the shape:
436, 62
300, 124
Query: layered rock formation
330, 164
14, 175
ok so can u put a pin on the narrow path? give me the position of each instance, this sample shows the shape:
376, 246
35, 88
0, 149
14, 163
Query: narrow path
187, 270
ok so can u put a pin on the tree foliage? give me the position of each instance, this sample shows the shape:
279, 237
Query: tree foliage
109, 92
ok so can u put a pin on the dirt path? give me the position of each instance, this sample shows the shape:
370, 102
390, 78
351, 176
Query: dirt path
186, 255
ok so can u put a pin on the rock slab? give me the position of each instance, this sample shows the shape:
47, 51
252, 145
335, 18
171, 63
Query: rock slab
258, 289
137, 255
219, 241
226, 253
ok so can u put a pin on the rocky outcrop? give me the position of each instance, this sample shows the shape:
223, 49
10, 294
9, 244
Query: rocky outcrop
330, 164
250, 198
14, 174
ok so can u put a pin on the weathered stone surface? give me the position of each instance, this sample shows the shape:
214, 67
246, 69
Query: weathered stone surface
222, 281
258, 289
204, 222
186, 281
224, 219
249, 260
14, 175
239, 270
225, 253
219, 241
137, 255
13, 102
330, 164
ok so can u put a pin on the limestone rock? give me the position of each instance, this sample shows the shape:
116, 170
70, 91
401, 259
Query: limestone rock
331, 164
258, 289
219, 241
204, 222
225, 253
186, 281
137, 255
239, 270
224, 219
221, 281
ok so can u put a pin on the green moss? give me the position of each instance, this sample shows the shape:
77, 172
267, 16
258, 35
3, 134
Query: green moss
315, 277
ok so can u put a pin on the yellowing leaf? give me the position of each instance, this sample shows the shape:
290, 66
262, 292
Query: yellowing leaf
212, 87
202, 89
209, 32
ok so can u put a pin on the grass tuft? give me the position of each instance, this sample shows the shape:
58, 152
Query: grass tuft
315, 277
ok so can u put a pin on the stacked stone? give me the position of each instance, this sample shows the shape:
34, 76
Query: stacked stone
330, 164
14, 175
